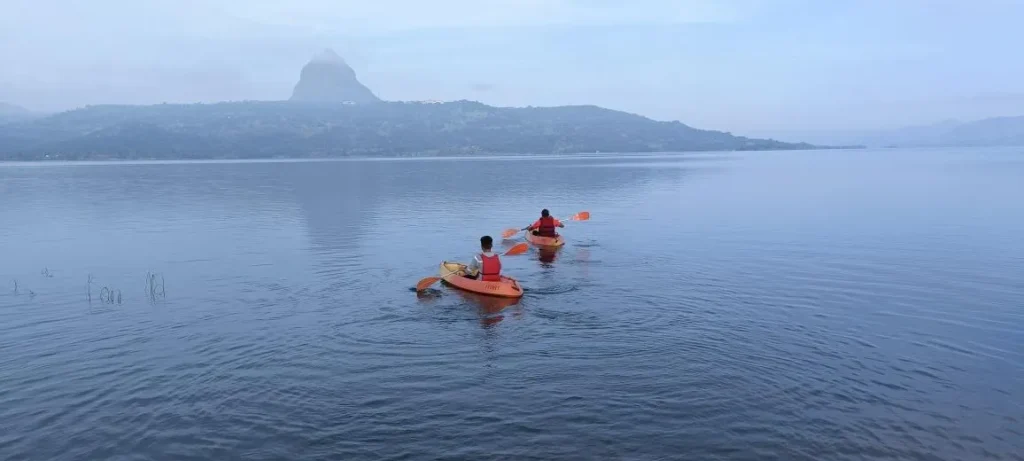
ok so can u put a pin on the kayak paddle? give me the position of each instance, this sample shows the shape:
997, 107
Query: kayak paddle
427, 282
581, 216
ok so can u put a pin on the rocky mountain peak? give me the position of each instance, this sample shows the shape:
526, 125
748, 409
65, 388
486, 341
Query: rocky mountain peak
328, 78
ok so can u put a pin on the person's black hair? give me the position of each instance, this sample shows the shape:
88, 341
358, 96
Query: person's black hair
545, 212
486, 242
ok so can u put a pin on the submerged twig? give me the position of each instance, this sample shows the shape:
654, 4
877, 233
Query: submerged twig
155, 289
110, 295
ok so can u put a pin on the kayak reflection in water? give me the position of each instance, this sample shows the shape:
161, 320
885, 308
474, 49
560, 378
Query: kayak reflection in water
545, 226
491, 308
547, 255
486, 265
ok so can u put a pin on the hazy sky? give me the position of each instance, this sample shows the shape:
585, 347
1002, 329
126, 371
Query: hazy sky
746, 66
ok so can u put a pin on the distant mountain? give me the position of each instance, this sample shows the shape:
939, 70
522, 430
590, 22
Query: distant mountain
990, 132
910, 136
291, 129
327, 78
331, 114
998, 131
11, 113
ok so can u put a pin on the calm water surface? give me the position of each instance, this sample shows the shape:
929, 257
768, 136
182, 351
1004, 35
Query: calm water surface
790, 306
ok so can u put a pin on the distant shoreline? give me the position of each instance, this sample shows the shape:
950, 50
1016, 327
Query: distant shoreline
394, 158
269, 129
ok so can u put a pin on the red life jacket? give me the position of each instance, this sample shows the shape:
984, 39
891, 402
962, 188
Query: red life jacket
490, 268
547, 227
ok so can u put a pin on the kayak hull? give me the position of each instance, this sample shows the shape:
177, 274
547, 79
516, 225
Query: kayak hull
548, 242
454, 274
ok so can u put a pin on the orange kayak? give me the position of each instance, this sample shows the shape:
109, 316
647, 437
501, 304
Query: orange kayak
454, 275
552, 242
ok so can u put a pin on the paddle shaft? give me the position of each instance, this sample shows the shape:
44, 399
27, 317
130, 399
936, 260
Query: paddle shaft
581, 216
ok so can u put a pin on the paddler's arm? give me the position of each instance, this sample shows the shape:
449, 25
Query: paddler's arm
475, 264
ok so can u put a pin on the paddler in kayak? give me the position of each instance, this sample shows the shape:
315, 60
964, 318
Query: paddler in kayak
545, 226
486, 265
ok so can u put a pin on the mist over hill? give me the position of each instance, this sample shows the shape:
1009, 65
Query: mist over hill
331, 114
12, 113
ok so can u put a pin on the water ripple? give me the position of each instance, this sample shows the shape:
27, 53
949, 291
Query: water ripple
730, 312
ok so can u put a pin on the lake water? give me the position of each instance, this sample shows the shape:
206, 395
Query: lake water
792, 306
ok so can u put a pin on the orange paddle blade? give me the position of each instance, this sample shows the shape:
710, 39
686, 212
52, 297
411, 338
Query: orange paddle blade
581, 216
426, 283
517, 250
509, 233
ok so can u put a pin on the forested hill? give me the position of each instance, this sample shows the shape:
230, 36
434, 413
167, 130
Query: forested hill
296, 129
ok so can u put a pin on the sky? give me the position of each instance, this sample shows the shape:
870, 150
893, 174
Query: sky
753, 67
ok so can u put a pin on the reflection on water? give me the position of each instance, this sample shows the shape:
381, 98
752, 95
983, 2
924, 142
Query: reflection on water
491, 309
547, 255
736, 306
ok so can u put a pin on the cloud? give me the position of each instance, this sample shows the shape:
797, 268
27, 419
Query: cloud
734, 64
384, 16
482, 87
996, 96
